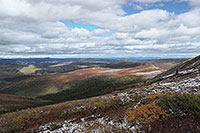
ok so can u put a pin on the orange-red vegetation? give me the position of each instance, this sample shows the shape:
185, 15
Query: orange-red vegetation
145, 113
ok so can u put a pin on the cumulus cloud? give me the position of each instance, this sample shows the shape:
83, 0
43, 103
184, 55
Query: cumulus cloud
101, 32
35, 27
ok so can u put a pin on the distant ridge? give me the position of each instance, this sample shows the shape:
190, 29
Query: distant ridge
189, 64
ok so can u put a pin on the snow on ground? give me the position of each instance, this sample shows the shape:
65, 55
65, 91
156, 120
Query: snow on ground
189, 71
187, 85
98, 125
124, 97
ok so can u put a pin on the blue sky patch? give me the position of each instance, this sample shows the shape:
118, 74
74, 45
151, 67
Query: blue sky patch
104, 36
80, 25
171, 6
129, 9
176, 7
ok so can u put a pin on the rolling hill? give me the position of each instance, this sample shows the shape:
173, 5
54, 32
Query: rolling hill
66, 86
9, 103
168, 104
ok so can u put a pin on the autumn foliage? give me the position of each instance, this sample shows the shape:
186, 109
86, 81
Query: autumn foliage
145, 113
167, 113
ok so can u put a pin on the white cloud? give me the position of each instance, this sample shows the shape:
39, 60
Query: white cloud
80, 32
101, 32
146, 19
14, 7
191, 18
34, 27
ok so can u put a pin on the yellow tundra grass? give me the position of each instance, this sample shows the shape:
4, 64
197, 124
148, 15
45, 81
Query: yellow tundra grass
29, 69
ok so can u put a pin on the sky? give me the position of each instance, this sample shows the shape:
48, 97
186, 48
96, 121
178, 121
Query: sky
99, 28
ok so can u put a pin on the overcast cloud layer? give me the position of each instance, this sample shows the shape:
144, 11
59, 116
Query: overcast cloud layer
35, 28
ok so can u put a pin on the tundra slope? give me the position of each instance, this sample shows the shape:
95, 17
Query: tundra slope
103, 113
43, 86
9, 103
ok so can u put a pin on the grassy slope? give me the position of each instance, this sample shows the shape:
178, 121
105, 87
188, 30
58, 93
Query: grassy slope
41, 85
29, 69
30, 86
33, 118
111, 108
90, 87
10, 103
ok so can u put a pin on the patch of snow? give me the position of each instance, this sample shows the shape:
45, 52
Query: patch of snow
188, 71
185, 85
75, 127
124, 97
167, 76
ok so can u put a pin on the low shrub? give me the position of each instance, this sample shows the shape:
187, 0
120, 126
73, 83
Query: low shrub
102, 103
157, 96
145, 113
181, 104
